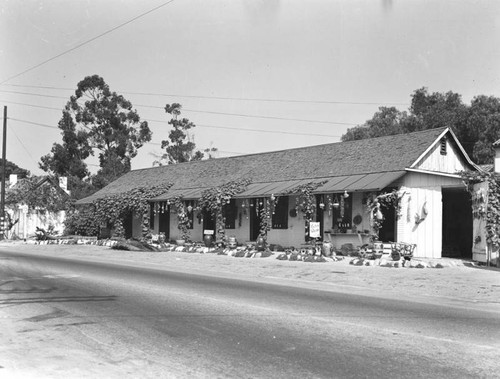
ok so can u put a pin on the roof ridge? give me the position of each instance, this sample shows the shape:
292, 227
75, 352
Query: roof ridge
295, 148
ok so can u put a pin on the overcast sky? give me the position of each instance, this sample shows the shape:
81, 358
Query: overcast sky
295, 73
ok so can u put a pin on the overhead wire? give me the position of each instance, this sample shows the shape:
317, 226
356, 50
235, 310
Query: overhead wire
208, 112
23, 146
87, 41
199, 125
271, 100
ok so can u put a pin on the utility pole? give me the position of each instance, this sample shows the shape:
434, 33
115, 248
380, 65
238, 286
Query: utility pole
4, 165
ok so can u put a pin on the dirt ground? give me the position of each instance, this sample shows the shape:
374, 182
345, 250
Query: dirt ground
458, 283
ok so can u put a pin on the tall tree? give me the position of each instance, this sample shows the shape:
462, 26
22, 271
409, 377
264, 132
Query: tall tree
113, 127
95, 118
477, 126
68, 158
179, 147
483, 127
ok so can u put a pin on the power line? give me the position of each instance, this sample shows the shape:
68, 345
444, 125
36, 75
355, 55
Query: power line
252, 130
272, 117
33, 123
35, 94
24, 147
270, 100
201, 125
31, 105
87, 42
209, 112
254, 116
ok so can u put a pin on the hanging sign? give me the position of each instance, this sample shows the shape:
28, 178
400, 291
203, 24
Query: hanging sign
209, 232
314, 230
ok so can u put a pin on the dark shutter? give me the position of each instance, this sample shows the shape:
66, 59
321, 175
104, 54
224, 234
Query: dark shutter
280, 216
230, 214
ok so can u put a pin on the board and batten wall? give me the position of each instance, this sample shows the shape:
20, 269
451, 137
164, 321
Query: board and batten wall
424, 190
451, 162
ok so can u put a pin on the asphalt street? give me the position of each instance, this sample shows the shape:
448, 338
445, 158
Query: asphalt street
95, 319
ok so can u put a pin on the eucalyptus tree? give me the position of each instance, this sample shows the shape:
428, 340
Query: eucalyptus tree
97, 119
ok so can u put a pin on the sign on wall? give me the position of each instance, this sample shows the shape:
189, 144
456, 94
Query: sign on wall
314, 230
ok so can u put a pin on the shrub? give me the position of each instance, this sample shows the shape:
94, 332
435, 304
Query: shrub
81, 222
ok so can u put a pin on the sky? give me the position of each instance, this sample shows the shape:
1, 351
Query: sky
253, 75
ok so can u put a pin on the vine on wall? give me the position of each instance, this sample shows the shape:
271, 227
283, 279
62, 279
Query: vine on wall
305, 200
214, 199
376, 202
489, 209
110, 209
43, 198
183, 219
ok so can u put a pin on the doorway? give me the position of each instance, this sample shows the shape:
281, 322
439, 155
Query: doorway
457, 224
256, 206
208, 223
387, 232
164, 222
128, 224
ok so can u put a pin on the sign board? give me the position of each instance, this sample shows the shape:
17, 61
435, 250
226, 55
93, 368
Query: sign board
207, 231
314, 230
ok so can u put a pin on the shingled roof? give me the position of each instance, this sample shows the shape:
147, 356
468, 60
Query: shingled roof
389, 154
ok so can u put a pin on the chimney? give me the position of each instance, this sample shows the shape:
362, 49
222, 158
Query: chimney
12, 180
63, 183
496, 162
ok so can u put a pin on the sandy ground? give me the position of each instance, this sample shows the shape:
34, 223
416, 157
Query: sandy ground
459, 283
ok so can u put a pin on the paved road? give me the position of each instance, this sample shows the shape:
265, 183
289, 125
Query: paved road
71, 318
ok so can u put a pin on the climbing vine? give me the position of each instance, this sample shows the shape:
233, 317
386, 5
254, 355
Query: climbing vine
183, 220
214, 199
39, 194
485, 205
305, 201
375, 202
111, 209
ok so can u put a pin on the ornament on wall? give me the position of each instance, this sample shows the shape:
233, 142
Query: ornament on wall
419, 217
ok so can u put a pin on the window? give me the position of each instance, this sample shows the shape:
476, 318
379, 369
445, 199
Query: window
443, 146
342, 214
230, 211
280, 215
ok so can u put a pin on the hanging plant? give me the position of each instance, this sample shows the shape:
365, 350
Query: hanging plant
265, 218
376, 202
214, 199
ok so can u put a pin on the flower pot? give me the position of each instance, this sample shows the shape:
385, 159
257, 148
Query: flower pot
208, 240
261, 244
327, 249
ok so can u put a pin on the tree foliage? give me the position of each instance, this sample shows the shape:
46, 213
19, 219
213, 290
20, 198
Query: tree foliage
95, 118
179, 146
476, 125
12, 168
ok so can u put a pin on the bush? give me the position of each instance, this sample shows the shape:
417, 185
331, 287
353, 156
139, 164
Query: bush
82, 223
